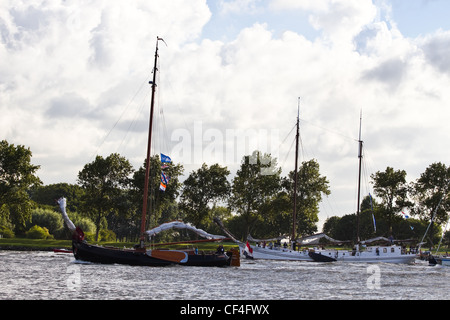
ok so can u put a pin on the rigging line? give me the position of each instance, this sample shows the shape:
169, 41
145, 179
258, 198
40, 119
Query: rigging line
368, 168
301, 146
329, 130
161, 126
290, 148
118, 120
285, 138
164, 137
176, 102
435, 211
288, 153
364, 170
157, 145
442, 237
133, 122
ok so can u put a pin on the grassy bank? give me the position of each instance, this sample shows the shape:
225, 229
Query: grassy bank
24, 244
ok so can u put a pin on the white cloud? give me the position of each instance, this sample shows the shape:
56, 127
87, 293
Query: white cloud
436, 48
340, 20
67, 71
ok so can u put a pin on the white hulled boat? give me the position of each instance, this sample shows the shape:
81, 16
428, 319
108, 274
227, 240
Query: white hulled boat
272, 252
371, 254
387, 253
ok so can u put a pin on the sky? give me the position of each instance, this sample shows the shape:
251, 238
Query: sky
74, 83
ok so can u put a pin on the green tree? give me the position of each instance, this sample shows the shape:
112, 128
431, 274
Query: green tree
104, 179
49, 219
310, 188
392, 188
344, 228
275, 217
37, 232
255, 184
17, 175
47, 195
431, 195
330, 226
204, 189
161, 204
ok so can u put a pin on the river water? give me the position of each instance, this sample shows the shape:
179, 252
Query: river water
56, 276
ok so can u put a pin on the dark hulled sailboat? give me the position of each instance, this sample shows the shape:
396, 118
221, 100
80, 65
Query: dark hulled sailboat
140, 256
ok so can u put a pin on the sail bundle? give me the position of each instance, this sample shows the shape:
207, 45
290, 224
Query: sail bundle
182, 225
62, 205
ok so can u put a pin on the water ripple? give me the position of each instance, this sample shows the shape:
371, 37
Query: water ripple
46, 275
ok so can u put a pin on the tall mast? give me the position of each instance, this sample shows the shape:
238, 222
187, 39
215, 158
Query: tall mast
149, 147
359, 177
294, 216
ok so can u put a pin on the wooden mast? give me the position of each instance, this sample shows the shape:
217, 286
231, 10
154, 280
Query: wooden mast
359, 178
149, 147
294, 216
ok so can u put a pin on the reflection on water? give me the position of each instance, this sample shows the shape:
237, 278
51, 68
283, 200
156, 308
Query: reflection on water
47, 275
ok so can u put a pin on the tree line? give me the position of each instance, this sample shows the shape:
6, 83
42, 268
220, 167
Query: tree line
257, 200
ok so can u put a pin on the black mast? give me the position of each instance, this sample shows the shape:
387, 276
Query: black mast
149, 147
294, 216
359, 179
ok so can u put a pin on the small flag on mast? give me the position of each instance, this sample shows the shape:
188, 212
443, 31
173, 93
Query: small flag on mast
164, 178
373, 216
165, 159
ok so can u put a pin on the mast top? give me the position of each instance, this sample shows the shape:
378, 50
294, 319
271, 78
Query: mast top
158, 39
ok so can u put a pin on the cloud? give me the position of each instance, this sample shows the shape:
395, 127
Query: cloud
391, 72
68, 72
68, 105
340, 20
436, 50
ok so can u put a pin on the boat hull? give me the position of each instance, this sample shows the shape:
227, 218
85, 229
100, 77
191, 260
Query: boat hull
208, 260
96, 254
445, 262
276, 254
318, 257
372, 255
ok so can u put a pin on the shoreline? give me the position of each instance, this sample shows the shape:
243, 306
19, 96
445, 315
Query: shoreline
24, 248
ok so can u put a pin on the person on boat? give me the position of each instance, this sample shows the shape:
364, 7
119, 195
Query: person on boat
391, 239
220, 250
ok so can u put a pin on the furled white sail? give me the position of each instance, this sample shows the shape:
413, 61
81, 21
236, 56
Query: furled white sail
181, 225
316, 239
250, 238
69, 223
